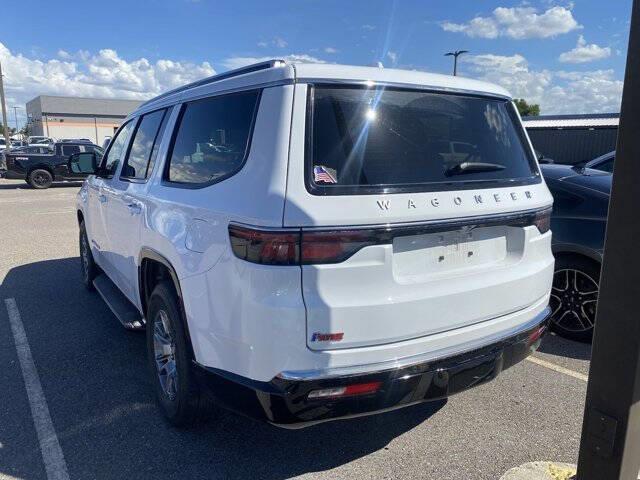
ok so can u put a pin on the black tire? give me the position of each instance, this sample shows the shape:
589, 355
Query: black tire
40, 178
181, 401
89, 270
574, 296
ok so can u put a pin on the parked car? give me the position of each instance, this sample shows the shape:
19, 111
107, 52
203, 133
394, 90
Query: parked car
603, 162
40, 168
301, 261
18, 143
40, 140
3, 143
579, 219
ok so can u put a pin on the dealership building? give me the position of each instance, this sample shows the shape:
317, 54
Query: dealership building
77, 117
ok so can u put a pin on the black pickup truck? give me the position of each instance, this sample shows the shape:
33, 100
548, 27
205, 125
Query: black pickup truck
40, 170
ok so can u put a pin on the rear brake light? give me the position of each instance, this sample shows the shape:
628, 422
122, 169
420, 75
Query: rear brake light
337, 245
346, 391
292, 247
542, 220
279, 247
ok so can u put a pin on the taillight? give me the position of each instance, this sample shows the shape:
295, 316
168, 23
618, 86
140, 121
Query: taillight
346, 391
542, 220
293, 247
335, 246
313, 247
279, 247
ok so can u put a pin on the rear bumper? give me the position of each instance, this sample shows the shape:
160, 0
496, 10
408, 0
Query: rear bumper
284, 400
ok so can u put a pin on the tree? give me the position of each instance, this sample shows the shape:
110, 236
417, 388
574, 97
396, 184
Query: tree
525, 109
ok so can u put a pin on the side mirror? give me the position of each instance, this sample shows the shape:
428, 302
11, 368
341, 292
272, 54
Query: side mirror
83, 163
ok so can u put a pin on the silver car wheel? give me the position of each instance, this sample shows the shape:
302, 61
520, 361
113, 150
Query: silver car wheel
165, 355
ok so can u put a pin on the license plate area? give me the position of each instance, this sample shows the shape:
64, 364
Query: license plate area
451, 252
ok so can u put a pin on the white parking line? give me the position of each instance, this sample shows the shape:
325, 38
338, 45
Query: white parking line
558, 368
52, 456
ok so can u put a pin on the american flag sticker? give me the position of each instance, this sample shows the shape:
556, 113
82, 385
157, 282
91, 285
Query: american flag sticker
322, 174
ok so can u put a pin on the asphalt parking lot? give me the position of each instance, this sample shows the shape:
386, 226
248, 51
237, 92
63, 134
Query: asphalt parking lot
98, 397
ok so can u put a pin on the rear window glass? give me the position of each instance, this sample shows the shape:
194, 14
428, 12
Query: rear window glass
382, 140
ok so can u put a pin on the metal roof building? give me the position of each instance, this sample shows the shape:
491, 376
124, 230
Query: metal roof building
571, 139
77, 117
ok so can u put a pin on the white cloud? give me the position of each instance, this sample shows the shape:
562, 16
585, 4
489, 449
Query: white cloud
584, 52
330, 50
104, 74
556, 92
238, 62
518, 23
368, 27
274, 42
393, 56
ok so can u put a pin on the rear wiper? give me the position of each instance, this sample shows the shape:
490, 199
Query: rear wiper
472, 167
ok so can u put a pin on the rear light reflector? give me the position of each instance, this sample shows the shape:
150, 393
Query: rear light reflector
536, 336
346, 391
542, 220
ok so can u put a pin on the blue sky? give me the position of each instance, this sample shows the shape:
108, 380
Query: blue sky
569, 57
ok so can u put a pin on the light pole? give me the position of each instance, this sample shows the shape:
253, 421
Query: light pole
455, 54
15, 117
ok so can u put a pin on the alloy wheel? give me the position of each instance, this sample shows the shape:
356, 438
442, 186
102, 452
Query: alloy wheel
40, 179
165, 355
574, 296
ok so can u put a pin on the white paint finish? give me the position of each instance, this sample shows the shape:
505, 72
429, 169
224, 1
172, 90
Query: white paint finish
264, 338
254, 196
54, 463
372, 301
345, 73
247, 319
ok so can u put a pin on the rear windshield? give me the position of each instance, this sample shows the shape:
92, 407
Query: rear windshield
363, 140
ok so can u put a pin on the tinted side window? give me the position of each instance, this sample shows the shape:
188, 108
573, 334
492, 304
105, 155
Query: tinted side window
116, 152
70, 149
144, 146
607, 166
213, 137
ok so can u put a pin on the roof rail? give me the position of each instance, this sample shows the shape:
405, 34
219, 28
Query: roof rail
216, 78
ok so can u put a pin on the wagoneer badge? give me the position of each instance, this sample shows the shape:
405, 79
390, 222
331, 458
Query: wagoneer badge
478, 199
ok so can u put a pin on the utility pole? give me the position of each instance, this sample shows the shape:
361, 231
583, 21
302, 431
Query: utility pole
15, 116
455, 54
610, 443
5, 120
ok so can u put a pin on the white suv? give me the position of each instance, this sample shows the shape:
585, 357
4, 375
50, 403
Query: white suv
302, 246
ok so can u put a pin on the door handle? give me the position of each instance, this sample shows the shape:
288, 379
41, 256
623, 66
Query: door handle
102, 198
134, 208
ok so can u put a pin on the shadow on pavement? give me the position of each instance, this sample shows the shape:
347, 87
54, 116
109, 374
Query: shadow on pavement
20, 185
94, 377
562, 347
